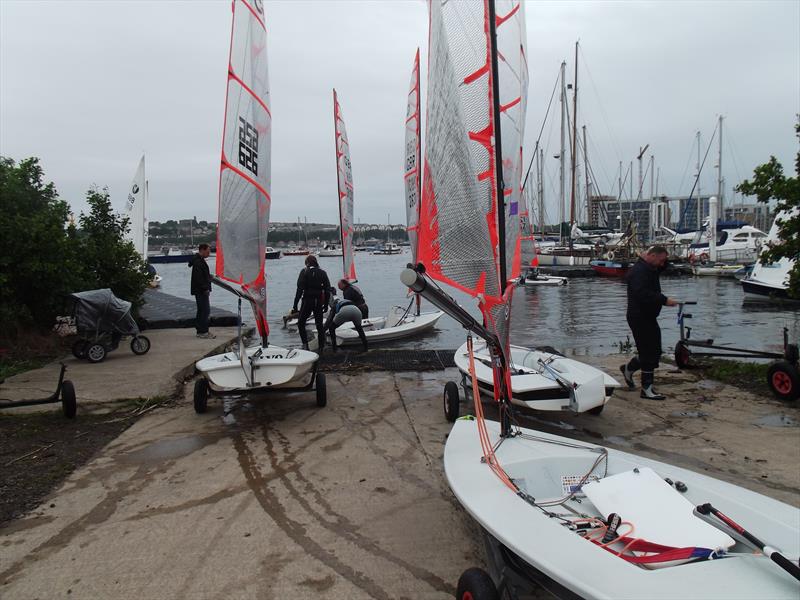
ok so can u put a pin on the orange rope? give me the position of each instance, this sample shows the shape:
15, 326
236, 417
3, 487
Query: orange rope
486, 443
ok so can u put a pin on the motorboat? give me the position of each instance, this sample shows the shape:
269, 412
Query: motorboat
770, 279
388, 248
330, 250
534, 278
271, 253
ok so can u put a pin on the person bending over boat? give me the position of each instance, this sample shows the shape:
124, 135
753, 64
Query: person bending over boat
344, 311
201, 290
313, 286
644, 305
354, 295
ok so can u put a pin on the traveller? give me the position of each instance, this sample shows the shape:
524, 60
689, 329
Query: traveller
354, 295
201, 290
344, 311
313, 286
644, 305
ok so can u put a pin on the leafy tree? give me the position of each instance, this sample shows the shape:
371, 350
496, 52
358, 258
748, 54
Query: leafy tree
769, 183
37, 262
106, 258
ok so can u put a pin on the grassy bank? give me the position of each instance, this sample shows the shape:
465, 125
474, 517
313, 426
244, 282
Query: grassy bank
746, 375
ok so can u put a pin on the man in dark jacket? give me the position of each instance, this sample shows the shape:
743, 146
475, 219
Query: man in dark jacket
644, 305
354, 295
313, 287
201, 289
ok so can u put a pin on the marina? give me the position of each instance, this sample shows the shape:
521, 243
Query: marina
570, 372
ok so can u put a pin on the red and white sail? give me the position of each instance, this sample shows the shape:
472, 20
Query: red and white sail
412, 171
135, 210
344, 177
460, 237
244, 186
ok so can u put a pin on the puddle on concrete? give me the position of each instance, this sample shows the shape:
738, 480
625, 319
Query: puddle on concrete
776, 421
618, 441
169, 449
709, 384
688, 414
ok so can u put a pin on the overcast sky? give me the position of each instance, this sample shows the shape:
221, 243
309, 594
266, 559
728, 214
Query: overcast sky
89, 86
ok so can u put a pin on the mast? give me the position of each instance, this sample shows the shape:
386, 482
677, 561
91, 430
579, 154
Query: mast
720, 180
699, 202
586, 177
498, 149
574, 146
540, 168
561, 197
619, 197
652, 200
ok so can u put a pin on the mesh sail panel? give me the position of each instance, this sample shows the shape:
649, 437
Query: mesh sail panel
134, 210
455, 243
412, 167
244, 188
344, 176
512, 77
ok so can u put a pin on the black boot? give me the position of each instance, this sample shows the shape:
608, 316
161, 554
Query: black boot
648, 391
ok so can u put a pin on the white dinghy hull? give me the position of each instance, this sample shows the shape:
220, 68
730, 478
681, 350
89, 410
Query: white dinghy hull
552, 280
383, 329
276, 367
534, 386
583, 567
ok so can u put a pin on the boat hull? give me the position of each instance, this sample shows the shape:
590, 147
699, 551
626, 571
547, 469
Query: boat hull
759, 289
535, 388
583, 567
379, 332
548, 280
276, 368
608, 268
169, 258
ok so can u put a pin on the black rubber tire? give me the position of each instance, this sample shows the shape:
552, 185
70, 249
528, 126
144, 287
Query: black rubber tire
596, 410
95, 353
321, 388
683, 355
476, 584
69, 404
79, 349
200, 396
140, 344
784, 380
451, 402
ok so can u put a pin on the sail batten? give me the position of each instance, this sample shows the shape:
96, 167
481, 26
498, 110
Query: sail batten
245, 177
344, 177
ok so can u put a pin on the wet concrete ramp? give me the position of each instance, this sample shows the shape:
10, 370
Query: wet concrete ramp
387, 360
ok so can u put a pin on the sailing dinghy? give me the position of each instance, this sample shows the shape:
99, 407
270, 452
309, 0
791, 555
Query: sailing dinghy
583, 520
400, 322
244, 202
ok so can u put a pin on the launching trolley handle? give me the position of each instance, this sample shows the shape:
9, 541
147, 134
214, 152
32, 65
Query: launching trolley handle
731, 527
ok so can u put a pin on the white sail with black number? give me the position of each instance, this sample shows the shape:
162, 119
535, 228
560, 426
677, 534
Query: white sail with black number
135, 211
244, 186
412, 171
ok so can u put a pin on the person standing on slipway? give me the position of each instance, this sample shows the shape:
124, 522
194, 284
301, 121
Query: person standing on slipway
644, 305
201, 290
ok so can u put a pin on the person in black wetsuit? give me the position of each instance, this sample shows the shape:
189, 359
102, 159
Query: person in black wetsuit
354, 295
313, 286
201, 289
344, 311
644, 305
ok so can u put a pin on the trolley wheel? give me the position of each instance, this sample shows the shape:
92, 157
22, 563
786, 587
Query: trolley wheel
784, 380
200, 396
450, 398
682, 355
68, 402
140, 344
322, 390
476, 584
79, 349
596, 410
95, 352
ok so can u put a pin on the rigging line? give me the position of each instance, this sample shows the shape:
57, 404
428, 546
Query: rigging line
731, 149
697, 179
541, 129
686, 168
596, 151
614, 142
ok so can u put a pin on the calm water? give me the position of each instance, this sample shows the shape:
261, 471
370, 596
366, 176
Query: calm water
585, 317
